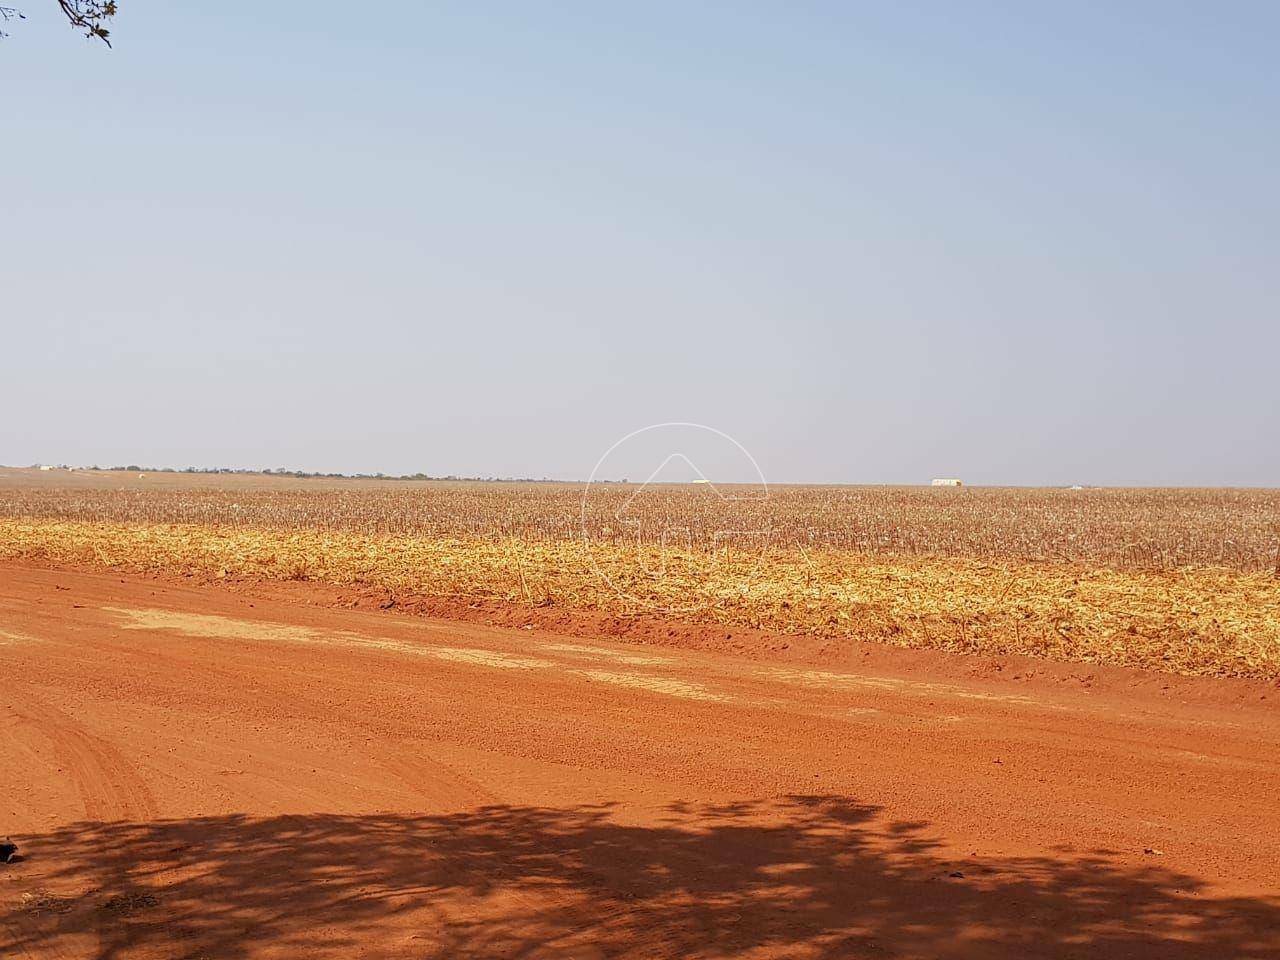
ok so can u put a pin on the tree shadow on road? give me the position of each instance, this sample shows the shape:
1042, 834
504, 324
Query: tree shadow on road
814, 877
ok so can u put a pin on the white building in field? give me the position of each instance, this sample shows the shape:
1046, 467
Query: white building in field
946, 482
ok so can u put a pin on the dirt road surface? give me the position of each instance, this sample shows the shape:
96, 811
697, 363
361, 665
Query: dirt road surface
196, 773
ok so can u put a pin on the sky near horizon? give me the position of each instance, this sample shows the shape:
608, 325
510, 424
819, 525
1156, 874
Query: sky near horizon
1012, 243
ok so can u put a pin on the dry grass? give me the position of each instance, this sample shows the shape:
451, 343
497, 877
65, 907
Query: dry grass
1192, 620
1181, 580
1130, 529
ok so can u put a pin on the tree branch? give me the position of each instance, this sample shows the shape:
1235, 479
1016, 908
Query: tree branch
91, 16
10, 13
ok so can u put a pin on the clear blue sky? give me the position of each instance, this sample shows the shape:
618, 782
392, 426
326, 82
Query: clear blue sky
1010, 242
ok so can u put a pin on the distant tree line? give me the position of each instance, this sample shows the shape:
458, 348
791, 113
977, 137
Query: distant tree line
314, 475
317, 475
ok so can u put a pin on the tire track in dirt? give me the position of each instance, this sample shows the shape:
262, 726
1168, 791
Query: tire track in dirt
436, 781
109, 788
107, 784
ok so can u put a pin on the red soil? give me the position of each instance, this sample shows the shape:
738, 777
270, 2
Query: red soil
252, 772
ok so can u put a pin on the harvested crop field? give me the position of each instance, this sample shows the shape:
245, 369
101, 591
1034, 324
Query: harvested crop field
209, 755
1182, 581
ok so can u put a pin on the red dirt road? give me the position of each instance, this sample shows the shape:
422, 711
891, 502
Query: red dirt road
195, 773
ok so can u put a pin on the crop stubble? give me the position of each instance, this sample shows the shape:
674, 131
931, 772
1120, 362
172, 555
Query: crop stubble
1179, 580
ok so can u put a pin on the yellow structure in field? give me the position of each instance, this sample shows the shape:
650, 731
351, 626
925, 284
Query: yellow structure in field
946, 482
